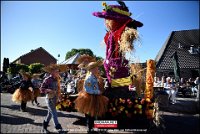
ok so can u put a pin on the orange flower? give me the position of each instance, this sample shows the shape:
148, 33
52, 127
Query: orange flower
148, 100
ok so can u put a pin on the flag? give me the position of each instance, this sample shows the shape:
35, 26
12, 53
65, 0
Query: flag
176, 66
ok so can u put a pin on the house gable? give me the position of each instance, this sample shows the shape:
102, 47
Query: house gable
38, 55
179, 41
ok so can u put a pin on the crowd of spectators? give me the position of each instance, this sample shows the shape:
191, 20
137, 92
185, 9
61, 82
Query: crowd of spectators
185, 87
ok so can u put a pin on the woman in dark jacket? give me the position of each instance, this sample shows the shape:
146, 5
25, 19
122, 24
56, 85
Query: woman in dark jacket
24, 93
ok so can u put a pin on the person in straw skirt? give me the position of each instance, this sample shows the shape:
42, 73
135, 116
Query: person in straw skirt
90, 100
83, 61
24, 93
36, 91
51, 88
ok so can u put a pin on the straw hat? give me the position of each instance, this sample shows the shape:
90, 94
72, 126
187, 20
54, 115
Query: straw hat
36, 75
51, 67
117, 12
63, 67
26, 74
85, 59
82, 65
92, 65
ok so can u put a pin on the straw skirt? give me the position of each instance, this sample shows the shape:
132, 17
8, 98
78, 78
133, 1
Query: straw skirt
22, 95
94, 105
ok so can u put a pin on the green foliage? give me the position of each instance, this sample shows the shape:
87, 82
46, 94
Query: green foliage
86, 51
15, 68
35, 68
71, 53
22, 67
32, 68
81, 51
5, 64
98, 58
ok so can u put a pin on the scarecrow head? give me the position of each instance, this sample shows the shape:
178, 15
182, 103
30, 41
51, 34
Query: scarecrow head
116, 15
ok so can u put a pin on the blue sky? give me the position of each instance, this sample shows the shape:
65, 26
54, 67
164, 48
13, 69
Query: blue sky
59, 26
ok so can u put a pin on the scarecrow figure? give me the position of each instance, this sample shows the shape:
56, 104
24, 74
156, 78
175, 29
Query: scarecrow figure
121, 34
122, 31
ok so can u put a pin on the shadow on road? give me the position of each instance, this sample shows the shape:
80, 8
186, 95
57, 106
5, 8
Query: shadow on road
12, 107
181, 124
39, 112
81, 121
17, 120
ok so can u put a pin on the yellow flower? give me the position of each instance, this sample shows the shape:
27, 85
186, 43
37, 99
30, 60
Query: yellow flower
121, 100
148, 100
58, 107
89, 84
140, 106
121, 108
104, 4
64, 104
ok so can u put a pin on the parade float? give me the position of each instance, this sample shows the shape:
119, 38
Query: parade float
131, 109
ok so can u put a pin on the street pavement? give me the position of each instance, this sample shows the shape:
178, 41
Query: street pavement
182, 117
13, 120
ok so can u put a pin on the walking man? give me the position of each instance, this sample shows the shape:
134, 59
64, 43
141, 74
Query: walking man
51, 88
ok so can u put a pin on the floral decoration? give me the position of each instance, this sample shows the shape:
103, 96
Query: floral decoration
66, 104
130, 108
118, 107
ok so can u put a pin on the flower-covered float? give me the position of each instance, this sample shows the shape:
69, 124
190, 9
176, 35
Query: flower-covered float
131, 109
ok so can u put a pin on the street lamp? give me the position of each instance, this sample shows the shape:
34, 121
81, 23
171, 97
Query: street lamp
58, 58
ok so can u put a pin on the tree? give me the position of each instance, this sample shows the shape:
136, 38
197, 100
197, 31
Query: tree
81, 51
86, 51
15, 68
35, 68
98, 57
5, 64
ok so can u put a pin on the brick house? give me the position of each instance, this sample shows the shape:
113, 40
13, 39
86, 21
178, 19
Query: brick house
39, 55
